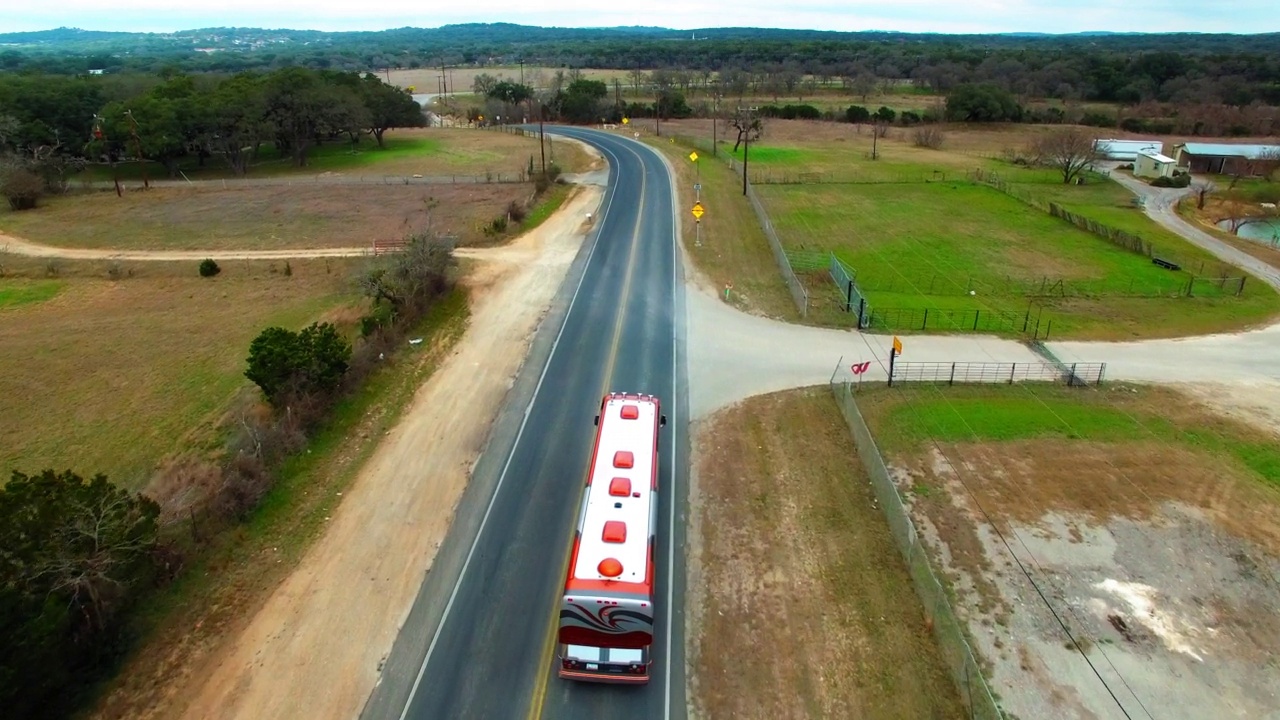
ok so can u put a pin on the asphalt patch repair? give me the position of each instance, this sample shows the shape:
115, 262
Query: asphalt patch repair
1160, 557
800, 604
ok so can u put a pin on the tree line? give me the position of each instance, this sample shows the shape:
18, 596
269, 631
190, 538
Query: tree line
47, 121
1231, 69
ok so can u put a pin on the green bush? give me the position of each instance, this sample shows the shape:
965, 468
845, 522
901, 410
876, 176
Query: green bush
284, 363
1177, 181
209, 268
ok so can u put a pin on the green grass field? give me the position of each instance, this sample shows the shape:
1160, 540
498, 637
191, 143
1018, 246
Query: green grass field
918, 246
15, 293
1116, 414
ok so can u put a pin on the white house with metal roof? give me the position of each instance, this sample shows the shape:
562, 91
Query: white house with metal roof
1113, 149
1227, 158
1153, 164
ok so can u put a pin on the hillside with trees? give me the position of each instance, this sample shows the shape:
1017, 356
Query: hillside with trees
1128, 68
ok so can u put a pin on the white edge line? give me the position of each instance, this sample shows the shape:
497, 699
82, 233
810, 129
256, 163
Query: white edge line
675, 380
498, 488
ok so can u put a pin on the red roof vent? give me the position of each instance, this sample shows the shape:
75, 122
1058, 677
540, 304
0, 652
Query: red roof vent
610, 567
615, 531
624, 459
630, 412
620, 487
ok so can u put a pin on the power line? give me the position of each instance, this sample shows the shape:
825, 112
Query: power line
1021, 566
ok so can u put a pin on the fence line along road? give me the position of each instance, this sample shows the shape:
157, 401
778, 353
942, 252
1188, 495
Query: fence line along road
950, 373
798, 292
947, 629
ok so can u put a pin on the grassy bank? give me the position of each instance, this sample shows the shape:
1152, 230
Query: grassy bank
239, 569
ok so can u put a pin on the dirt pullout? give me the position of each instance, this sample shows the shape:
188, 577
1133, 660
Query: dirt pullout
1161, 561
319, 639
801, 605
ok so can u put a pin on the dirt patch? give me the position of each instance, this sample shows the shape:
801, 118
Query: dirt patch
262, 216
801, 604
383, 536
1161, 561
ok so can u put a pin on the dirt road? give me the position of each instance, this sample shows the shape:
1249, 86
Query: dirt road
1160, 204
319, 640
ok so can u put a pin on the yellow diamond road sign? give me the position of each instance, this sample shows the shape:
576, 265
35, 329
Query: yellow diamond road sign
697, 211
693, 156
626, 120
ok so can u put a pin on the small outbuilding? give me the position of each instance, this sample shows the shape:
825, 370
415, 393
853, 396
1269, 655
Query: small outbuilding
1228, 158
1127, 150
1153, 164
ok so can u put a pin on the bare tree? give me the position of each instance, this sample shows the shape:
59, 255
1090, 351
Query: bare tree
1070, 150
1202, 192
864, 83
928, 136
749, 126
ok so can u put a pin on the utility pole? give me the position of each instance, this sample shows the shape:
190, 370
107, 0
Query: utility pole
137, 147
521, 71
746, 145
715, 120
541, 134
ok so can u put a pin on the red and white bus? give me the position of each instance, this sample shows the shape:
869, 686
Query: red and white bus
606, 614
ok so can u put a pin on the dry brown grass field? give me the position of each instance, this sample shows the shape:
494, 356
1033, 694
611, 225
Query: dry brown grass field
262, 216
802, 605
115, 375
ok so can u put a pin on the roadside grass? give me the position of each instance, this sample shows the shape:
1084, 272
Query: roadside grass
547, 205
925, 246
1113, 414
430, 152
16, 292
734, 249
115, 376
238, 571
261, 217
779, 490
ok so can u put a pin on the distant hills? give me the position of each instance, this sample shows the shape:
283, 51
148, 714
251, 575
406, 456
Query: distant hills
76, 38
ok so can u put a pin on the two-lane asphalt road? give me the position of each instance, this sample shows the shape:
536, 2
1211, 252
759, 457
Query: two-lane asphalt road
479, 642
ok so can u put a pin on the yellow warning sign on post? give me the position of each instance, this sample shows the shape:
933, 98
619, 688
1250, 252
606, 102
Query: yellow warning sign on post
697, 211
693, 156
897, 345
626, 120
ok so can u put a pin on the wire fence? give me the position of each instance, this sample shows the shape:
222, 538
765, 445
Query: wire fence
944, 373
1120, 238
978, 320
940, 284
947, 629
798, 292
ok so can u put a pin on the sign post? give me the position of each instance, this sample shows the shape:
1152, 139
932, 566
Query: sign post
895, 351
697, 226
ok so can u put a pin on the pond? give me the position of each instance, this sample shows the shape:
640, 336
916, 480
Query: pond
1268, 232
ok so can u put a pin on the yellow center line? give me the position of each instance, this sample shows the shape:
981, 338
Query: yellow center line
549, 645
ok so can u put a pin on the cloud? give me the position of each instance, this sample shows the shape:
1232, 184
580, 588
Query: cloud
905, 15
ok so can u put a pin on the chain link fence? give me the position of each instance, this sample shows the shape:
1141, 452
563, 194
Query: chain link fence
798, 292
947, 629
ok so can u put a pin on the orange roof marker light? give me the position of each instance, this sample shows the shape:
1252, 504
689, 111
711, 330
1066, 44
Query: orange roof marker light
610, 567
620, 487
615, 532
624, 459
630, 412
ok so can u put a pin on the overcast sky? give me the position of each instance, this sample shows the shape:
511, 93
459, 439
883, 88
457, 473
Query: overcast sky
948, 16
